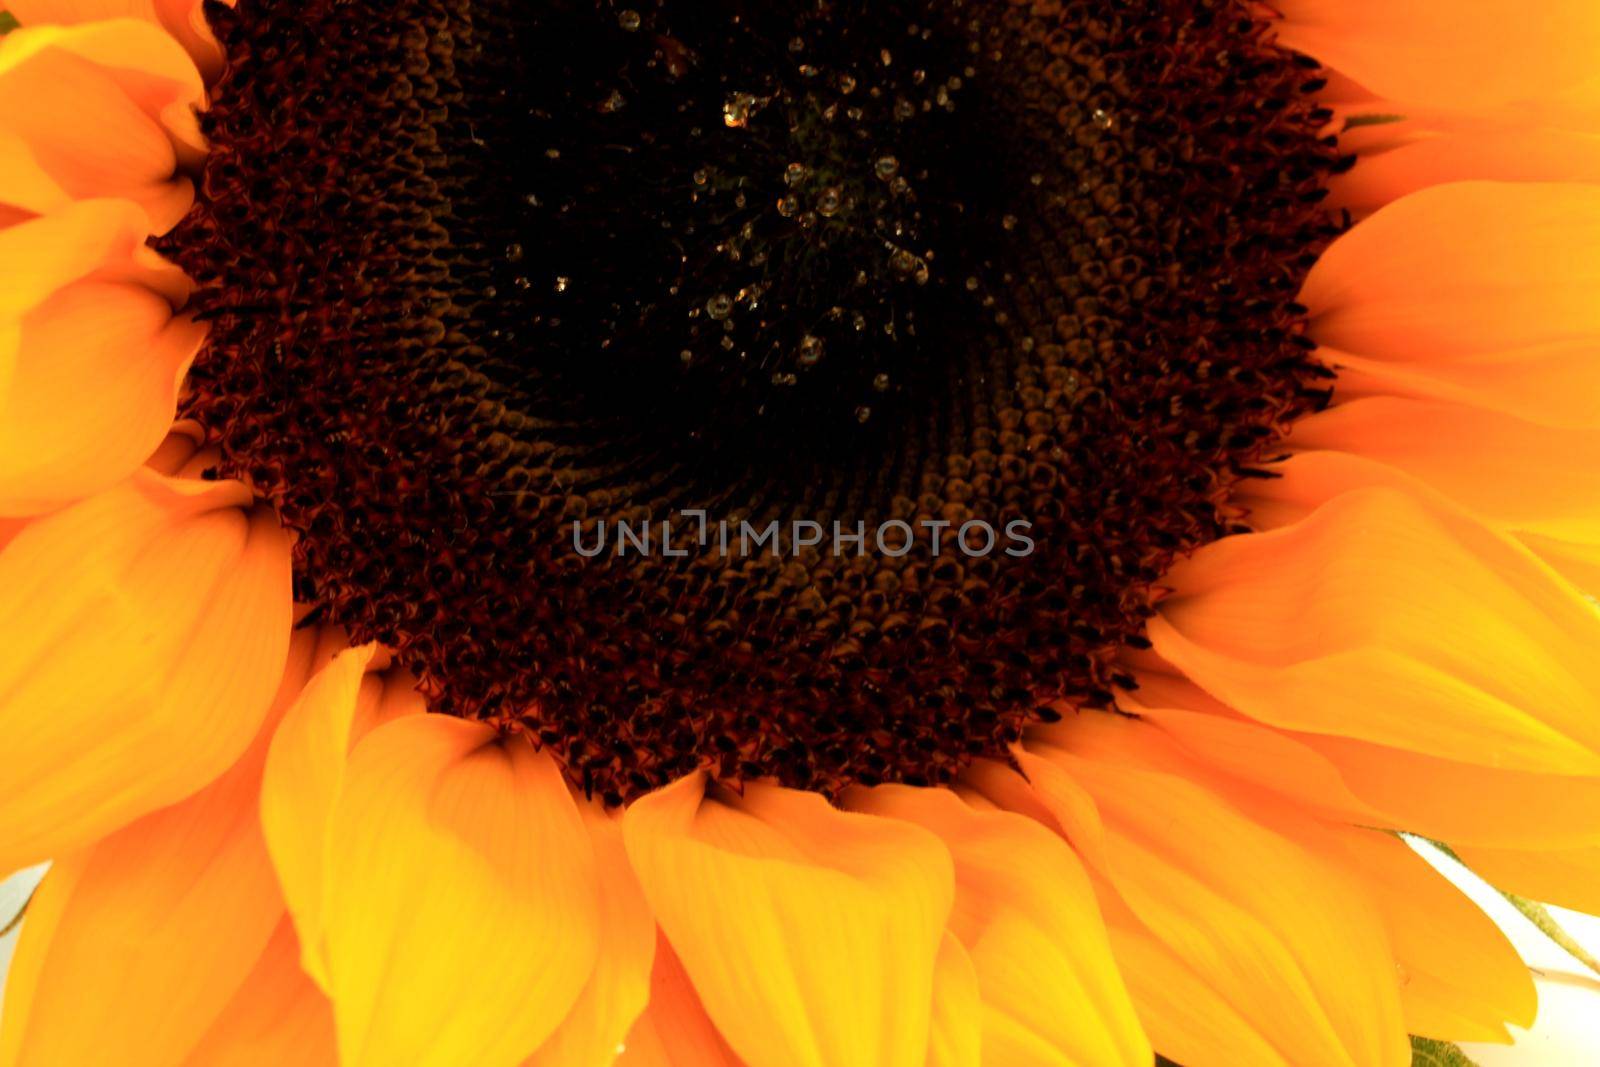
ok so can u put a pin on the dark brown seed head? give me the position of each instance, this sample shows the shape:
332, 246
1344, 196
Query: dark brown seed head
480, 273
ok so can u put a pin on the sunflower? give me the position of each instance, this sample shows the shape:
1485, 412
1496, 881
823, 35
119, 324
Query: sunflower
356, 361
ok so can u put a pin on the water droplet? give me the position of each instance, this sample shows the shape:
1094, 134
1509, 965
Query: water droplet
701, 177
847, 84
1103, 118
719, 306
727, 344
903, 262
887, 167
1036, 179
628, 19
686, 356
972, 284
562, 283
794, 174
899, 187
881, 383
863, 413
1008, 223
828, 202
810, 350
787, 206
885, 57
738, 108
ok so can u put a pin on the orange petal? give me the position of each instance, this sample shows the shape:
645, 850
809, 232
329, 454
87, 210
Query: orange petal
1460, 270
1381, 600
1460, 979
620, 985
460, 921
1552, 384
1516, 155
1462, 802
1051, 992
811, 934
1514, 473
675, 1030
1449, 54
113, 357
183, 19
143, 633
86, 327
1568, 877
140, 940
955, 1038
112, 111
305, 772
1264, 757
278, 1016
1246, 894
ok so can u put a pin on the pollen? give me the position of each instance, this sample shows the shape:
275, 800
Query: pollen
488, 280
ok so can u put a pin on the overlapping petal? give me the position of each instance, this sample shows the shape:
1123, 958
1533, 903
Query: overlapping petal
91, 353
139, 941
1389, 618
142, 634
461, 917
1246, 895
810, 934
111, 114
1050, 991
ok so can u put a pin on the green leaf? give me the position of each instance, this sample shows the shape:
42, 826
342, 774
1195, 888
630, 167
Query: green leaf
1426, 1052
8, 22
1540, 916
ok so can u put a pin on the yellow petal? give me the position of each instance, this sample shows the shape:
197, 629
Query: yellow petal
1460, 979
151, 929
183, 19
620, 985
305, 772
142, 633
111, 113
1447, 53
461, 920
810, 933
278, 1016
1460, 270
1568, 877
1245, 893
1382, 600
1051, 992
955, 1038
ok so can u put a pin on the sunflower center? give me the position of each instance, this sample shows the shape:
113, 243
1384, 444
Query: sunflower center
808, 390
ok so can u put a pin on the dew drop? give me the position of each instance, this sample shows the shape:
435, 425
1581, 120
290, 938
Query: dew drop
719, 306
810, 350
628, 19
886, 167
